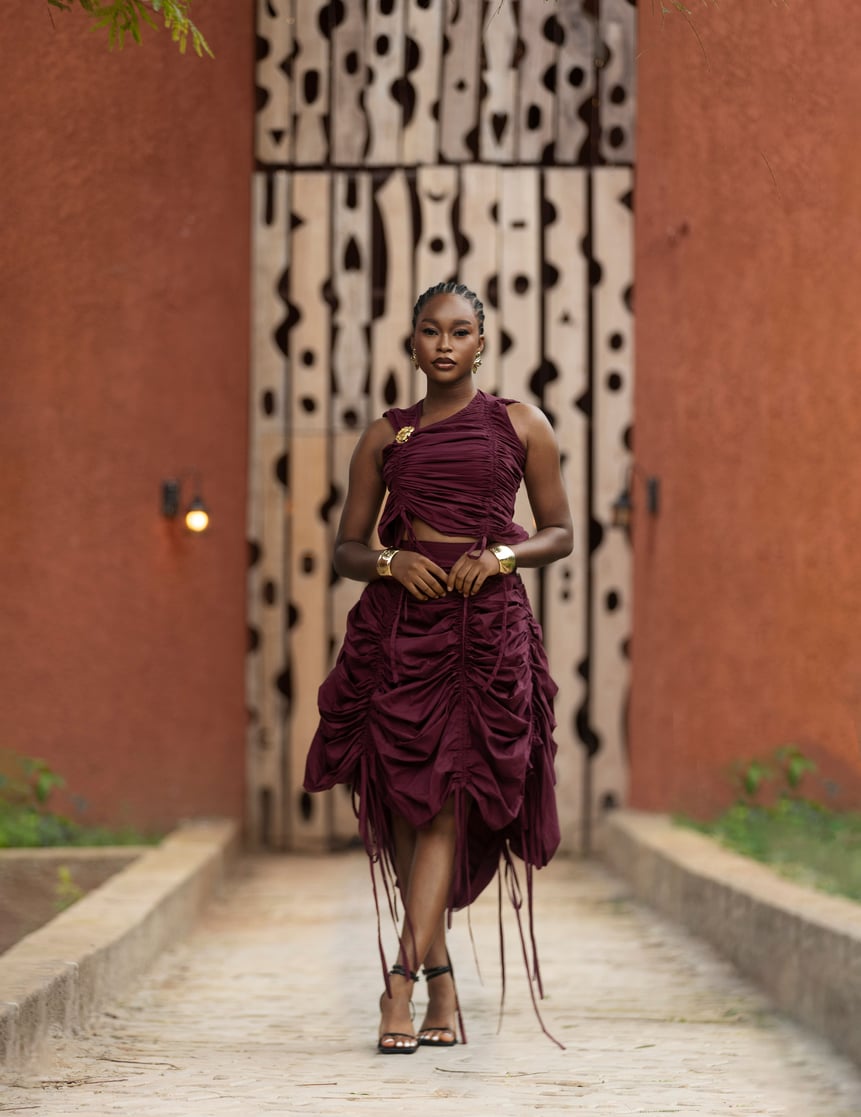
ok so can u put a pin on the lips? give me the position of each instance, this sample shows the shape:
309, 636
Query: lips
442, 363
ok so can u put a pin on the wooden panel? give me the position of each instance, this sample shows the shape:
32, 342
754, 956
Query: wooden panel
498, 112
575, 78
460, 83
340, 817
309, 566
308, 553
520, 307
436, 251
349, 125
274, 121
617, 83
311, 85
479, 264
266, 658
566, 331
423, 62
385, 59
392, 373
309, 276
351, 283
612, 395
537, 103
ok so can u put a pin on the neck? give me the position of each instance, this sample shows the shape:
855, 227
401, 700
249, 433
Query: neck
448, 397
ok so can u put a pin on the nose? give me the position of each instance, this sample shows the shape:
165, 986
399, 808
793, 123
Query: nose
443, 344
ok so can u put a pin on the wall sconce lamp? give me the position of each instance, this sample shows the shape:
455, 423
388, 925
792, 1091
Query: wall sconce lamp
196, 514
623, 506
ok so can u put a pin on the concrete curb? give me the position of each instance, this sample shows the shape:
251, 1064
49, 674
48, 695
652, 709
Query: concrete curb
55, 977
802, 946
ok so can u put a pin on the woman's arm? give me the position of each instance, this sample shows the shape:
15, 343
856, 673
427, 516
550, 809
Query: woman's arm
353, 558
554, 537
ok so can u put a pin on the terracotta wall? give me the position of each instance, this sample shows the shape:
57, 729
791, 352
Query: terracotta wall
747, 588
124, 184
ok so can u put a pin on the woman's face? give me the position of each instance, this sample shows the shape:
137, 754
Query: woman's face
446, 338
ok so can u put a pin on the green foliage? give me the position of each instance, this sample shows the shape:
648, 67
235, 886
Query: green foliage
798, 837
26, 785
127, 17
66, 892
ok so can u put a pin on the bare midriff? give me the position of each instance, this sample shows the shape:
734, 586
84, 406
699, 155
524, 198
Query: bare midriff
431, 535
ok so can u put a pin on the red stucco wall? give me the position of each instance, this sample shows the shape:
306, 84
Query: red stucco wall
747, 628
124, 184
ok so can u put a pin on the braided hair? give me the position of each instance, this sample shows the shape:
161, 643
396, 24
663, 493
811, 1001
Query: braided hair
451, 288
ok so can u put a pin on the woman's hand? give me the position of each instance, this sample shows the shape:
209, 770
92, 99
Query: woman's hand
418, 574
469, 574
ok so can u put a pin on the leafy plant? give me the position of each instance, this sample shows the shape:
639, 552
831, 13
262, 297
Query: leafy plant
66, 892
127, 17
798, 837
26, 820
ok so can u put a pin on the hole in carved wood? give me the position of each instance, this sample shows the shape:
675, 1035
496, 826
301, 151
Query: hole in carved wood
614, 381
351, 62
381, 45
616, 340
576, 76
533, 118
618, 95
309, 404
281, 469
437, 244
268, 402
552, 30
521, 284
616, 137
311, 86
306, 806
612, 601
270, 592
352, 256
264, 800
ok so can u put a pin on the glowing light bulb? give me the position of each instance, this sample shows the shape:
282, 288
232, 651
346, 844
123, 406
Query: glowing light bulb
197, 517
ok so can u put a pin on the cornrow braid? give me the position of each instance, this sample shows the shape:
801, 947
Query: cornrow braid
451, 288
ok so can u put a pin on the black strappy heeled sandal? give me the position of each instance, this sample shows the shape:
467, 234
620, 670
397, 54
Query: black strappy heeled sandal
396, 1047
430, 973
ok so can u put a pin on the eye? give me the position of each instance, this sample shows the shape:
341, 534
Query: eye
462, 332
428, 330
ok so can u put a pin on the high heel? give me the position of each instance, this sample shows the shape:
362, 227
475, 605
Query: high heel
425, 1040
403, 1043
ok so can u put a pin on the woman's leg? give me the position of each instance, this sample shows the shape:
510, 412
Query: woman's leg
426, 885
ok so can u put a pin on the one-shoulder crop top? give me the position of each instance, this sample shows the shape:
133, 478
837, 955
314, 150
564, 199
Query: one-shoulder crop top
459, 475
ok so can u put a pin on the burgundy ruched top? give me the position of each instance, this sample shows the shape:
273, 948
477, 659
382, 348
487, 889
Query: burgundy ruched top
459, 475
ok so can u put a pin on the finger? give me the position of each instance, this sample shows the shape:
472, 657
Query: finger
465, 581
456, 573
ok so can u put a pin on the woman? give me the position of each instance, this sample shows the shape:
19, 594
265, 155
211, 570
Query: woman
439, 709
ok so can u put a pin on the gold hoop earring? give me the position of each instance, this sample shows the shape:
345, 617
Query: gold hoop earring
414, 357
476, 361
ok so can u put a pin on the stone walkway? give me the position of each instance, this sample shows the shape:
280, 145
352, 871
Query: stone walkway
269, 1008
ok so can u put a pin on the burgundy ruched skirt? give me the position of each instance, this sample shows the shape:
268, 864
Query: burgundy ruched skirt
446, 698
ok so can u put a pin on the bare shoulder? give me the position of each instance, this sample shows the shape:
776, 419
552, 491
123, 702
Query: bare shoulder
530, 423
376, 435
